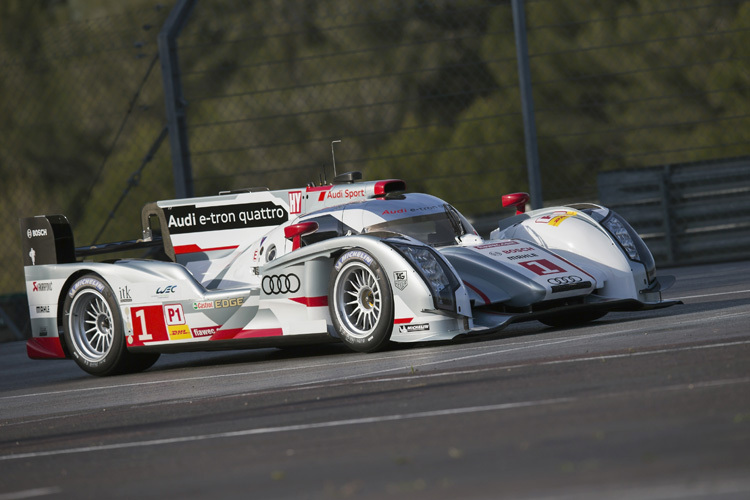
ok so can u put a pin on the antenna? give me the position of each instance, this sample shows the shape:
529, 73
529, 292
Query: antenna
333, 156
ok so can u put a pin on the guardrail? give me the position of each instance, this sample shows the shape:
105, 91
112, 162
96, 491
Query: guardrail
687, 213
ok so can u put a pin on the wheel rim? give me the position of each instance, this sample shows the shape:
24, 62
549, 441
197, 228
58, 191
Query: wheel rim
91, 325
358, 300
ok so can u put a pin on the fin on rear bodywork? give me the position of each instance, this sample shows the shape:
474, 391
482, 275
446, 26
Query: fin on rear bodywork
47, 239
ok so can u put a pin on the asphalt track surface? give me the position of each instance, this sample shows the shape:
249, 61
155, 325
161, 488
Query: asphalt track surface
652, 405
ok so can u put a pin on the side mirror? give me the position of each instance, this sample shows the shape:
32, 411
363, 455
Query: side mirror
517, 200
295, 232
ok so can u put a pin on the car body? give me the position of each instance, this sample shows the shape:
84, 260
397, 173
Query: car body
360, 262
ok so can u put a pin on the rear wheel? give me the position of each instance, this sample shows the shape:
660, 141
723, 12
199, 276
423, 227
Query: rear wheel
361, 302
92, 325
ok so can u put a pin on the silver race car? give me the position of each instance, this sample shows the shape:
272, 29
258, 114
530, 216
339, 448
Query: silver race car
359, 262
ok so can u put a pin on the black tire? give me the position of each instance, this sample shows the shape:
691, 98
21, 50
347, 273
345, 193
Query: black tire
571, 319
360, 301
92, 325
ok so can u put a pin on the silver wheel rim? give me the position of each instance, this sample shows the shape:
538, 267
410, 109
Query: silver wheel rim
91, 325
359, 300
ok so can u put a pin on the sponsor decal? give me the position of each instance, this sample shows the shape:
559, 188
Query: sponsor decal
192, 219
86, 281
42, 309
518, 250
344, 194
414, 328
522, 256
124, 293
237, 301
295, 202
280, 284
555, 218
400, 279
353, 254
198, 306
542, 267
166, 289
174, 315
34, 233
179, 332
498, 244
42, 286
394, 212
205, 332
32, 256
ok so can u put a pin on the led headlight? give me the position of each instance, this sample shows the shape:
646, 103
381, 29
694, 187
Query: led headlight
631, 242
622, 235
435, 273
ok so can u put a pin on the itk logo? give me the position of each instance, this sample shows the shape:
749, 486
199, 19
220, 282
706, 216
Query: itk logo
295, 202
124, 293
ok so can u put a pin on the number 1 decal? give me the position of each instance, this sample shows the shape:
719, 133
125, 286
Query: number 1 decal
542, 267
144, 335
148, 324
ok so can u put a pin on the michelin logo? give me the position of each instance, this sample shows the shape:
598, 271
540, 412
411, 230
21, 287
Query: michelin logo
353, 254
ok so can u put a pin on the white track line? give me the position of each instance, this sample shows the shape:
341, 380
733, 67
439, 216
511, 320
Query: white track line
506, 348
36, 492
289, 428
737, 292
356, 421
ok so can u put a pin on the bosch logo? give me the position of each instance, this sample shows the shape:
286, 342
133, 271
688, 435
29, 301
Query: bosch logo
282, 283
565, 280
33, 233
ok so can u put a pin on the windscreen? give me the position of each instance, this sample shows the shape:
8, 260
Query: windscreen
436, 229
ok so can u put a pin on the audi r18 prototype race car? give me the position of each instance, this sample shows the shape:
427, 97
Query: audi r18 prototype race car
364, 263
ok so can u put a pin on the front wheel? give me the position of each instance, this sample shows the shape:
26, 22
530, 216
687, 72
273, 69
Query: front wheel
92, 325
360, 301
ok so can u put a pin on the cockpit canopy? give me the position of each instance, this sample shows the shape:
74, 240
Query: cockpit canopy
421, 216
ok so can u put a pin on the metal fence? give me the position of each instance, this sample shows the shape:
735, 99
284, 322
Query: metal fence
423, 91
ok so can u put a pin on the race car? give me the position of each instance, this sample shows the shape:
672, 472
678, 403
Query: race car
360, 262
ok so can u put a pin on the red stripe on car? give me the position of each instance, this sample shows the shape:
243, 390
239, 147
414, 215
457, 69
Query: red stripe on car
478, 292
183, 249
239, 333
321, 301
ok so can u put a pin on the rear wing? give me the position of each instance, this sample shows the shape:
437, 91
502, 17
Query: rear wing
48, 239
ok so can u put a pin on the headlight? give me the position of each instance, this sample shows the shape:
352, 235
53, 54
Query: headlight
622, 235
631, 243
435, 273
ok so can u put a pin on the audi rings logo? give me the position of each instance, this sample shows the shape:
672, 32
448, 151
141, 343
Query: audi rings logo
282, 283
565, 280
